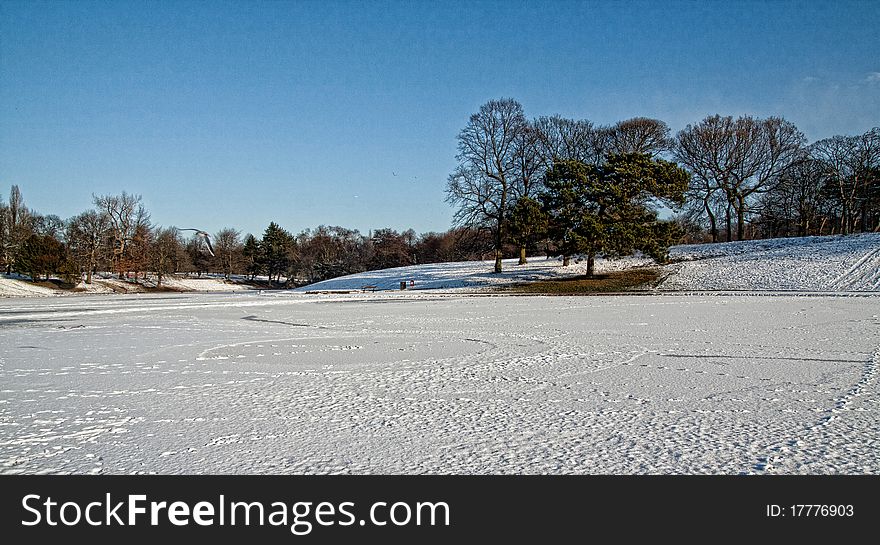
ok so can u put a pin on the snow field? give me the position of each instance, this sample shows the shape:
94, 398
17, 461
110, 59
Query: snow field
445, 383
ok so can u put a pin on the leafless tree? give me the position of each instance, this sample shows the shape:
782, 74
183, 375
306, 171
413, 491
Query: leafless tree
640, 135
796, 205
852, 163
125, 214
739, 159
165, 252
17, 227
561, 138
483, 184
227, 245
86, 236
138, 256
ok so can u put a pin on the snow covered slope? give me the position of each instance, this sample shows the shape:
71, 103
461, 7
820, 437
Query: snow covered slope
13, 286
467, 274
826, 264
829, 263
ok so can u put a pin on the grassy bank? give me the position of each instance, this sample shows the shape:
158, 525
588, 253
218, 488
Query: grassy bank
618, 281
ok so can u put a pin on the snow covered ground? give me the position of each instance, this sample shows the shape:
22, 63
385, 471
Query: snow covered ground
468, 274
814, 264
829, 263
447, 377
427, 382
824, 264
14, 286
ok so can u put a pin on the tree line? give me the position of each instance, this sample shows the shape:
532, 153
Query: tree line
116, 236
571, 187
550, 185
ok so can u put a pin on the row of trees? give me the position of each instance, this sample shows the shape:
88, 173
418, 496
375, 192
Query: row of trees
739, 178
556, 185
328, 252
116, 236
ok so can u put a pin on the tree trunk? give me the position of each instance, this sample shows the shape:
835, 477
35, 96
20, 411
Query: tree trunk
713, 223
159, 279
522, 255
728, 218
863, 218
591, 261
740, 218
566, 260
497, 261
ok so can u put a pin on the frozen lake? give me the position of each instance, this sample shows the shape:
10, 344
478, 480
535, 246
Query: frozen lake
439, 383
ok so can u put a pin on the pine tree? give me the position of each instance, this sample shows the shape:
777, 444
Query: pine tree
607, 209
276, 249
251, 253
528, 222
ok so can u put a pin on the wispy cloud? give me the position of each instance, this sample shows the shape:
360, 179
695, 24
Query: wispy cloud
810, 79
873, 77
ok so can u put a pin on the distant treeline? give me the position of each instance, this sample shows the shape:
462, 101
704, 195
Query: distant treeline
117, 236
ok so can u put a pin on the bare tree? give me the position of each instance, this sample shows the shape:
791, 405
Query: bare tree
529, 166
640, 135
227, 245
18, 226
86, 237
483, 184
138, 257
795, 205
703, 149
165, 252
866, 176
738, 159
125, 214
564, 139
852, 163
778, 147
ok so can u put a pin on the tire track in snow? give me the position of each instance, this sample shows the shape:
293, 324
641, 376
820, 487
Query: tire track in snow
790, 447
864, 270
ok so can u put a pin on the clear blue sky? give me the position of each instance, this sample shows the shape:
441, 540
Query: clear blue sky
240, 113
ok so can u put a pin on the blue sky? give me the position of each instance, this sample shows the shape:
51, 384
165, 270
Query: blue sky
346, 113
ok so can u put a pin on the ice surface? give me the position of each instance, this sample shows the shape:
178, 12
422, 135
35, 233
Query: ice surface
439, 383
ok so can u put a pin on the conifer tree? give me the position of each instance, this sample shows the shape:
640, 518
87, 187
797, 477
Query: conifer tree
607, 209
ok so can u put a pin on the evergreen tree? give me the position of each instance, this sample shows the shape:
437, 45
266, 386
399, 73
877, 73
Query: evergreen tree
528, 222
276, 250
41, 255
607, 209
250, 251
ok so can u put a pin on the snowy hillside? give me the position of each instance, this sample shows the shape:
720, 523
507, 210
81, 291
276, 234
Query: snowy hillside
468, 274
821, 264
830, 263
14, 286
